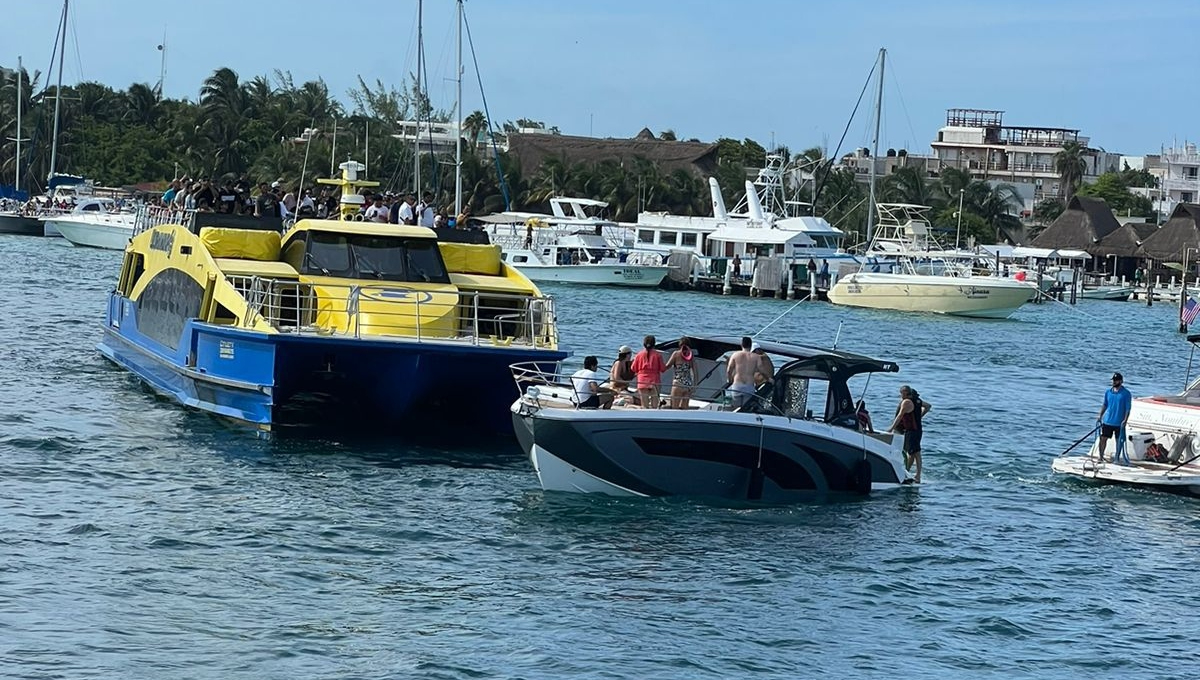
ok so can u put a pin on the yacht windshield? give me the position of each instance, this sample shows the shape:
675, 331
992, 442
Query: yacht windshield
380, 258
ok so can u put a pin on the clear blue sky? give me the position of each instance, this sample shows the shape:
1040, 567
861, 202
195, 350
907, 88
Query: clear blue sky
738, 68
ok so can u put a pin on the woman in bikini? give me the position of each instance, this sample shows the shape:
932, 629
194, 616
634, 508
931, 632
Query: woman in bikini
686, 375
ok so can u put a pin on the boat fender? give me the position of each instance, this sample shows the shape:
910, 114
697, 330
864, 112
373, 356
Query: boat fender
860, 476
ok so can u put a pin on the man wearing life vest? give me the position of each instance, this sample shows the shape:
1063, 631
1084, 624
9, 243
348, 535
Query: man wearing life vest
909, 415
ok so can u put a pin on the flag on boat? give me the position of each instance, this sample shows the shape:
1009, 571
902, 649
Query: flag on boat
1190, 309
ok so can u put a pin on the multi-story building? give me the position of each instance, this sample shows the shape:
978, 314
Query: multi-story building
1180, 177
977, 140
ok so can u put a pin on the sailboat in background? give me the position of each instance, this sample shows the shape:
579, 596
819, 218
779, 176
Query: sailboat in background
15, 220
60, 188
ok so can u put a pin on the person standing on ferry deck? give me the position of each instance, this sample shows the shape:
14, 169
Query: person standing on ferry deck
1114, 413
648, 366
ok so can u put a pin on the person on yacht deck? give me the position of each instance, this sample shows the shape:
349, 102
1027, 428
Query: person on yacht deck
740, 371
686, 374
648, 366
588, 392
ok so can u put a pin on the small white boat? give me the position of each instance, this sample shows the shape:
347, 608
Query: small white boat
95, 223
1161, 476
1161, 438
1119, 293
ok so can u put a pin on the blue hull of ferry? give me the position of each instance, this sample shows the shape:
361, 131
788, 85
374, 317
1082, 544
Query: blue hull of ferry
268, 379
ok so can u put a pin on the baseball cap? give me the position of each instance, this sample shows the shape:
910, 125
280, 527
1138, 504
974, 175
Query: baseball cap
624, 349
1117, 376
275, 184
755, 347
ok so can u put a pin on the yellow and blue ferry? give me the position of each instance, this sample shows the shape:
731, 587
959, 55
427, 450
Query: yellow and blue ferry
385, 322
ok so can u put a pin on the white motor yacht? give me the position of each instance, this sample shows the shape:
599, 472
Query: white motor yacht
798, 439
95, 223
570, 246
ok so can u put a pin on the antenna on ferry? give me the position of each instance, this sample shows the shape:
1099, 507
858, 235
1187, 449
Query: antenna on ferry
718, 201
837, 336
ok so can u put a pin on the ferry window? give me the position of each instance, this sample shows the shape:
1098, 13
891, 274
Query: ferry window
520, 258
645, 236
667, 238
327, 254
92, 206
689, 240
424, 262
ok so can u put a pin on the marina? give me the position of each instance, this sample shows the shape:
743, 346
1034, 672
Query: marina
636, 359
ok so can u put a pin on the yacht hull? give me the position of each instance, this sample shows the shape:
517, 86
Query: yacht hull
108, 236
269, 379
702, 453
1118, 293
1159, 476
971, 297
636, 276
20, 224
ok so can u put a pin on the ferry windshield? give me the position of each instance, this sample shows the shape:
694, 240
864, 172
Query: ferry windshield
381, 258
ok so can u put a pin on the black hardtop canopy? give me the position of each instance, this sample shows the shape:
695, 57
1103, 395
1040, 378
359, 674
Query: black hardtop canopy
807, 360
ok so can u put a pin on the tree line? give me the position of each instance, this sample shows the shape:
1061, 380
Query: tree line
268, 127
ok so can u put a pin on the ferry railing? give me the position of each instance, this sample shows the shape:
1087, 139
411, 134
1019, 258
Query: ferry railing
151, 216
398, 312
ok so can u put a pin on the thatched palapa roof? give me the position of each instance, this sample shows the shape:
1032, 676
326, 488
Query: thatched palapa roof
1125, 241
1173, 239
1080, 227
532, 148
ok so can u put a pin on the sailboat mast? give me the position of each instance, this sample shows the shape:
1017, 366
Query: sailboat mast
875, 149
62, 49
458, 197
417, 129
17, 181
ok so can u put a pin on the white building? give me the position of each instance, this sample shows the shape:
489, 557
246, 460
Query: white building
977, 140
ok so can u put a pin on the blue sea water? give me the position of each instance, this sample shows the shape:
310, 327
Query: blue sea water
138, 540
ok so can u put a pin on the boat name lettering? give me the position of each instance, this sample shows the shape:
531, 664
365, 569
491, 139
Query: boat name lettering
975, 291
225, 349
631, 273
162, 240
417, 296
853, 288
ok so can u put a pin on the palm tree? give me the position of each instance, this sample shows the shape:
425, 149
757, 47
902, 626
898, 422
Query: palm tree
141, 105
1070, 166
474, 125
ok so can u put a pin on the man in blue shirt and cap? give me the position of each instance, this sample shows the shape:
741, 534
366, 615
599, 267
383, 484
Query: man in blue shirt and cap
1113, 416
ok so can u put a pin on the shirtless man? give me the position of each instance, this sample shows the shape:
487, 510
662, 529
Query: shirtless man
740, 371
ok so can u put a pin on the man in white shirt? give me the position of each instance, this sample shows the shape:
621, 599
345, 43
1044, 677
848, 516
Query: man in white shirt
408, 212
425, 211
588, 392
378, 212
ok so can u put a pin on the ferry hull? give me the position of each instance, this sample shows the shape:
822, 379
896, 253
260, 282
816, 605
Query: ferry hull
269, 379
980, 298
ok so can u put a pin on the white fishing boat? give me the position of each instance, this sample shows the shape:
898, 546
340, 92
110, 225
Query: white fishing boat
1161, 440
571, 246
903, 273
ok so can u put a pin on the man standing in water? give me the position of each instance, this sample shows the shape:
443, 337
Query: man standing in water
1113, 415
908, 422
